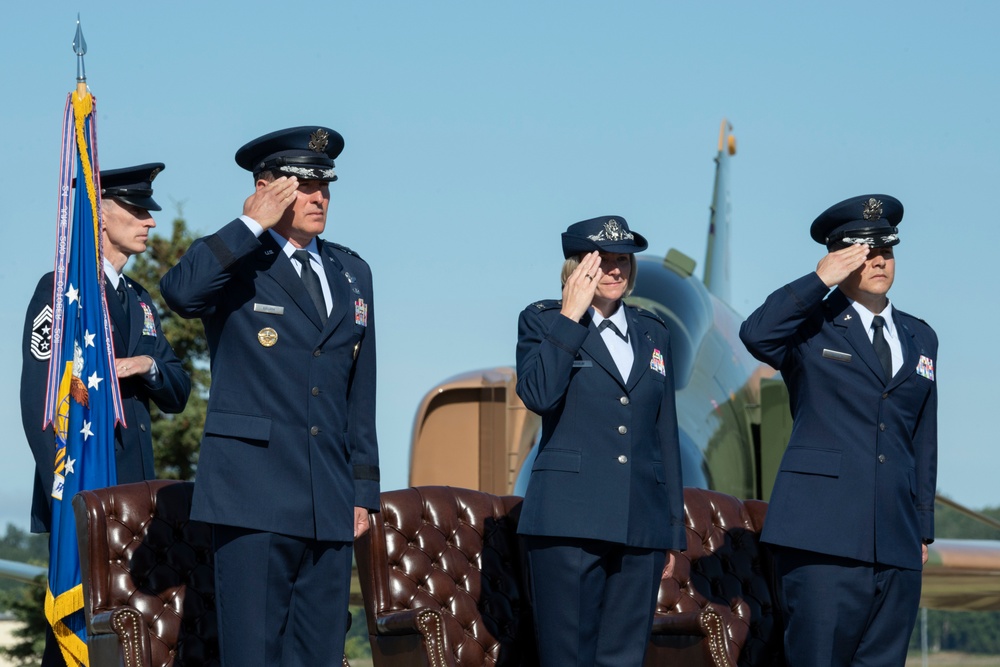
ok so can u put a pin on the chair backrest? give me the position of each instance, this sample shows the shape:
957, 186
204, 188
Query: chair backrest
140, 549
454, 550
725, 566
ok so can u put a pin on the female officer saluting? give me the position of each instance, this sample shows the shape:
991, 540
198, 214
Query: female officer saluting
604, 500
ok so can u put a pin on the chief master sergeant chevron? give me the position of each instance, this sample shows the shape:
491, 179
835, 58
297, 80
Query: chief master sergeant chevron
853, 504
289, 460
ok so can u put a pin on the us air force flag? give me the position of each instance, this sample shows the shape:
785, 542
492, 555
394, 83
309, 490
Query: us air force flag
82, 400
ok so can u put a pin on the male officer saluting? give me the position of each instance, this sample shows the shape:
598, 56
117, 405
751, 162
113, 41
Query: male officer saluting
289, 458
853, 504
146, 365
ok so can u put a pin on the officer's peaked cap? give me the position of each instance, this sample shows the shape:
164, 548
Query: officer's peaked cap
869, 219
306, 152
608, 233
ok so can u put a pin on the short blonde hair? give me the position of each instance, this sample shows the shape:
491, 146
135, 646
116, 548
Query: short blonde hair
569, 266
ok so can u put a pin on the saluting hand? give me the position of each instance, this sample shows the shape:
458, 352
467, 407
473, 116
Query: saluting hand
839, 264
270, 201
578, 292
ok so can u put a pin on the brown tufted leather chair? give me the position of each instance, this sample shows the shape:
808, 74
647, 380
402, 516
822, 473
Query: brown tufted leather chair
148, 578
717, 609
441, 575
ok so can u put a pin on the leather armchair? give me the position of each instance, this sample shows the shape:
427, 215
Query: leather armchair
718, 607
148, 577
148, 580
441, 574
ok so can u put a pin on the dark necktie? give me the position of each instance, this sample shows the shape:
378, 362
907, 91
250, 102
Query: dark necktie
882, 347
608, 324
123, 297
311, 281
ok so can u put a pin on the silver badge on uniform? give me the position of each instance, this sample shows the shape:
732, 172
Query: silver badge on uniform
350, 277
41, 335
268, 308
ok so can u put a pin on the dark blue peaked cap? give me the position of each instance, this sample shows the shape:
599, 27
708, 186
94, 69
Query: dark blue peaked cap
608, 233
869, 219
132, 185
306, 152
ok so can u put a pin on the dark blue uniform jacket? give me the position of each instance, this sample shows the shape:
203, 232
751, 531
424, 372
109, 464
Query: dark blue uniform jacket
858, 477
134, 442
289, 444
608, 465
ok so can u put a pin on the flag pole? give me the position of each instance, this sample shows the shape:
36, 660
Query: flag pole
80, 49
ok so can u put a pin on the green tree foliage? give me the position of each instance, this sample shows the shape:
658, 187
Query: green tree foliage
24, 601
176, 438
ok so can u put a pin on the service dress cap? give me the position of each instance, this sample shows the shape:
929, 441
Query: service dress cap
306, 152
608, 233
867, 219
131, 185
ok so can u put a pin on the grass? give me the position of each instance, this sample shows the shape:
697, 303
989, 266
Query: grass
948, 658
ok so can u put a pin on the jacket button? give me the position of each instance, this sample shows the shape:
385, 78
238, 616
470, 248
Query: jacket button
881, 427
316, 353
881, 458
623, 459
314, 430
623, 430
142, 427
885, 395
623, 400
315, 391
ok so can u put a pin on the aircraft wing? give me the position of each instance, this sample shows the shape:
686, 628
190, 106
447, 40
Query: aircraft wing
962, 575
20, 571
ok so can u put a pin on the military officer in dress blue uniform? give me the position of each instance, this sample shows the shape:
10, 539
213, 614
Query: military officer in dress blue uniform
148, 370
604, 500
853, 504
288, 468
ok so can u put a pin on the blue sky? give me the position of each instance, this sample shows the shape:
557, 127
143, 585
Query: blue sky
476, 132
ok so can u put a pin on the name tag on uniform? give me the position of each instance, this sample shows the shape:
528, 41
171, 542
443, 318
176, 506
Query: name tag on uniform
267, 308
836, 356
582, 363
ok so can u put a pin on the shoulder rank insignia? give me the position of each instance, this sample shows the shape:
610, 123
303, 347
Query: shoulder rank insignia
343, 248
41, 334
650, 314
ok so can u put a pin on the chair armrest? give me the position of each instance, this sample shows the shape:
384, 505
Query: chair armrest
428, 623
118, 636
707, 623
686, 623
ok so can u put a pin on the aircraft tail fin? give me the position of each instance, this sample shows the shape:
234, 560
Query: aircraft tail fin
717, 257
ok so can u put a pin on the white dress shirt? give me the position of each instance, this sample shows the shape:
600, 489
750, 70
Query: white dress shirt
620, 349
889, 330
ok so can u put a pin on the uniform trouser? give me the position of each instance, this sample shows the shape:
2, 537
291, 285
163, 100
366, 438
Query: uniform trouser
593, 601
280, 600
840, 611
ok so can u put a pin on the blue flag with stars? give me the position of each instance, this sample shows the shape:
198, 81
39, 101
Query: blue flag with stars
82, 400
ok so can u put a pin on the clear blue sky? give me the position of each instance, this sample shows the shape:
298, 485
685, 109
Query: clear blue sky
476, 132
